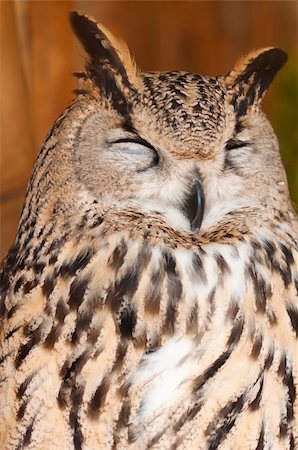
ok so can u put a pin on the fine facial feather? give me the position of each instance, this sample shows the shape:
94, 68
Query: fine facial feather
124, 327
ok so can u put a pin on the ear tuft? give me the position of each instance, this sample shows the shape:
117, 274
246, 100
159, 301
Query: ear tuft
252, 76
103, 48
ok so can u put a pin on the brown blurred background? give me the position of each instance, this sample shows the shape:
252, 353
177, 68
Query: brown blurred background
39, 53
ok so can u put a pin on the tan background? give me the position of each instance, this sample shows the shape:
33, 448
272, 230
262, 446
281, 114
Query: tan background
39, 53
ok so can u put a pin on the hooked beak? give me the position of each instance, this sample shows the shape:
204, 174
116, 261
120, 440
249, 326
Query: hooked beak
194, 206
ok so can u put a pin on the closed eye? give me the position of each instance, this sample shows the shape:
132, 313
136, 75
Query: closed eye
135, 140
138, 148
235, 143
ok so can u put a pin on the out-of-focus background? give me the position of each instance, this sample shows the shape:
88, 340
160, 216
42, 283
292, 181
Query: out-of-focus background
39, 54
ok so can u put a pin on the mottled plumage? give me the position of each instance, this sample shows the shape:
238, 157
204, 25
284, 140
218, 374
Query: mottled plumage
150, 298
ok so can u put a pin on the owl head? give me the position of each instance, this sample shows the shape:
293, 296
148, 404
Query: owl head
188, 147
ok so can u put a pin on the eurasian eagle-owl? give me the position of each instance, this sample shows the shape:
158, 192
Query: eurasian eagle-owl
150, 298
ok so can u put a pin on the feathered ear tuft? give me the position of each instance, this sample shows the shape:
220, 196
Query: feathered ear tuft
252, 76
110, 64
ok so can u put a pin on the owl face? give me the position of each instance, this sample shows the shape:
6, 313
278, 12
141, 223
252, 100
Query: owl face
189, 147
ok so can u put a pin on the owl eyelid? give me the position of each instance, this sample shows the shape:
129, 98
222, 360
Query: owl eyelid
138, 140
233, 143
134, 140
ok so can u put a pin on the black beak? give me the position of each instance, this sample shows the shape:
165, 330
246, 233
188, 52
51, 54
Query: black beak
194, 206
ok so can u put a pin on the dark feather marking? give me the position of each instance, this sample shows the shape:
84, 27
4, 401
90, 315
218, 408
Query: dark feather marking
292, 442
229, 413
53, 336
210, 301
232, 309
70, 268
23, 387
274, 265
288, 255
83, 321
30, 285
255, 404
76, 292
192, 319
13, 331
261, 289
296, 285
19, 283
293, 315
105, 80
270, 249
38, 267
4, 357
61, 310
211, 371
174, 293
289, 382
48, 286
283, 428
132, 436
260, 444
120, 355
98, 398
128, 284
188, 415
236, 332
272, 317
56, 245
257, 345
79, 91
118, 256
68, 370
222, 264
286, 276
155, 440
28, 435
96, 222
62, 397
93, 334
11, 312
240, 106
123, 419
68, 373
76, 399
282, 368
10, 264
153, 296
3, 293
128, 320
35, 338
144, 256
53, 259
38, 249
269, 359
22, 409
28, 238
199, 268
82, 75
238, 127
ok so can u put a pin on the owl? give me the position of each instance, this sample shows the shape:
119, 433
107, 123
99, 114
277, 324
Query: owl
150, 298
